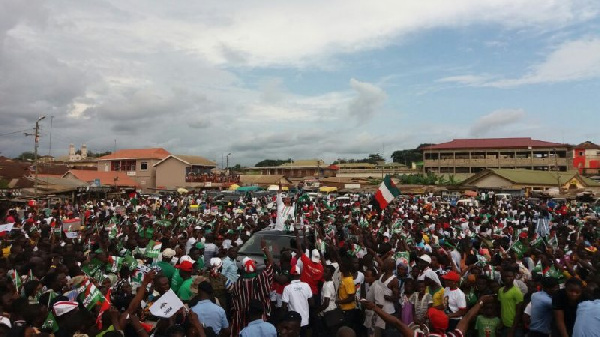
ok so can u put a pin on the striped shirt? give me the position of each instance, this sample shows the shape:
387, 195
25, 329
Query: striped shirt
246, 289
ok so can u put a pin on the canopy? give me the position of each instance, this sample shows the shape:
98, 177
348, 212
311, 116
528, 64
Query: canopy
249, 188
234, 187
326, 189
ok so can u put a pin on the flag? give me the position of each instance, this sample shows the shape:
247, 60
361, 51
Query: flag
153, 249
16, 279
5, 229
105, 306
50, 323
386, 193
115, 263
91, 296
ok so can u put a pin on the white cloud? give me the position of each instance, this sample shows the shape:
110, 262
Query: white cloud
496, 120
571, 61
152, 73
464, 79
369, 98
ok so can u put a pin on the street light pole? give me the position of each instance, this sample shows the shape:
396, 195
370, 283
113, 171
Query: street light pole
229, 154
35, 155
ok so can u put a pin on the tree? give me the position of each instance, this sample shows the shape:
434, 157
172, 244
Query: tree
27, 156
373, 158
272, 162
409, 155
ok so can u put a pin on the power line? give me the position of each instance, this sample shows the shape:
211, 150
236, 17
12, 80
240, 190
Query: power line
15, 132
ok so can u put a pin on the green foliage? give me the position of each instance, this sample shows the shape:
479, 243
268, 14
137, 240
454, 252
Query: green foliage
27, 155
272, 162
373, 158
408, 156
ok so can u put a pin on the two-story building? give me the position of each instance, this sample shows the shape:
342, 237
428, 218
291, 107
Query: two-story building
586, 158
470, 156
136, 163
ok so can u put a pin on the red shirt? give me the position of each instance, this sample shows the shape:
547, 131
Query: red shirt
312, 273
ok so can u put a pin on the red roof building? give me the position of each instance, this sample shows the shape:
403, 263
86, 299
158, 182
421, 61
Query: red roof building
137, 164
111, 178
586, 158
469, 156
493, 143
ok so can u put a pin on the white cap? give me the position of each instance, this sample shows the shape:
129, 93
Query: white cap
316, 256
186, 258
425, 258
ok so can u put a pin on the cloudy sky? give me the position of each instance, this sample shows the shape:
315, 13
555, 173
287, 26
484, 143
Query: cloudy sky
300, 79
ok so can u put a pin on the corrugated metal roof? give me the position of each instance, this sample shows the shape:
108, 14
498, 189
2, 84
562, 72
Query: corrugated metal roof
493, 143
190, 160
153, 153
106, 178
533, 177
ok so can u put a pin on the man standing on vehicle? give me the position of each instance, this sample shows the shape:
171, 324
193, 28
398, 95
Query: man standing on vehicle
286, 211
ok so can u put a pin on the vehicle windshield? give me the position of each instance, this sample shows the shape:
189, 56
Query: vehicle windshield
274, 242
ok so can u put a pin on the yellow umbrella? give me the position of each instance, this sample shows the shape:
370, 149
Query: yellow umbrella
234, 187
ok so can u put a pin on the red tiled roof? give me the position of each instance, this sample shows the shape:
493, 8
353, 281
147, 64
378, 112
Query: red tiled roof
492, 143
155, 153
106, 178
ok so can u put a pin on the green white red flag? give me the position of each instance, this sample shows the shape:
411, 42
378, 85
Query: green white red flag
386, 193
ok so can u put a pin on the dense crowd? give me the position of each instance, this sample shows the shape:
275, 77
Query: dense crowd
423, 266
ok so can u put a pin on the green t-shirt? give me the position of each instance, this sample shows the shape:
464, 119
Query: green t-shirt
185, 293
508, 304
166, 268
176, 281
486, 327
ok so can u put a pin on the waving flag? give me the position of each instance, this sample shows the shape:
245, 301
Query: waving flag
386, 193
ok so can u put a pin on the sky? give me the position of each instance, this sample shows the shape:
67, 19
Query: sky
295, 79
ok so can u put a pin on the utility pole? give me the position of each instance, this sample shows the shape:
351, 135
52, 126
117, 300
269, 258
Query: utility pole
50, 146
35, 156
227, 167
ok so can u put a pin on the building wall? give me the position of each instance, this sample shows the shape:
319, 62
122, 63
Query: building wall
493, 181
170, 174
586, 161
475, 160
145, 178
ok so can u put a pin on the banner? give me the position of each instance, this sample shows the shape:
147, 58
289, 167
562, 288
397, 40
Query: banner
166, 305
72, 235
6, 228
71, 225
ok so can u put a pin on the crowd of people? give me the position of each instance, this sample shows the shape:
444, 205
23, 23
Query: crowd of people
424, 266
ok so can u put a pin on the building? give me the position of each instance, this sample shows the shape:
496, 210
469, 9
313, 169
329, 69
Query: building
175, 171
265, 181
586, 158
109, 178
530, 180
470, 156
368, 170
138, 164
299, 169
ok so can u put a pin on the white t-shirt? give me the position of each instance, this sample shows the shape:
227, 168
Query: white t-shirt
454, 300
296, 295
329, 292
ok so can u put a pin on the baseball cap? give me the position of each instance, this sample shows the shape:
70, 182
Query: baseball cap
316, 256
185, 266
451, 276
425, 258
437, 319
523, 235
249, 265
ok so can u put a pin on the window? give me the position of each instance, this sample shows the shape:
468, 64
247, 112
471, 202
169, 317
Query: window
144, 166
